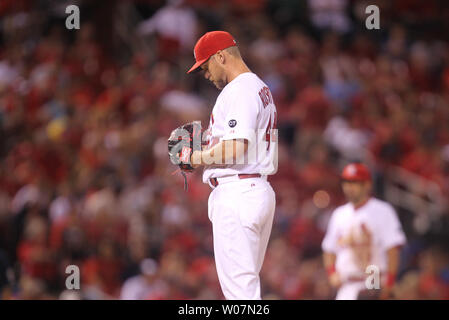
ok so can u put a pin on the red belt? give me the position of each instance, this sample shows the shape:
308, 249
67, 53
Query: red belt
214, 181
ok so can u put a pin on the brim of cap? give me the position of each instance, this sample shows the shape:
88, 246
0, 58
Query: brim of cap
195, 67
355, 179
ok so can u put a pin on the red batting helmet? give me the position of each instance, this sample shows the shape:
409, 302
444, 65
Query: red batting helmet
356, 172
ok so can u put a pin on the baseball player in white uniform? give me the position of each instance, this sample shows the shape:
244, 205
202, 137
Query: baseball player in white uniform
365, 231
241, 152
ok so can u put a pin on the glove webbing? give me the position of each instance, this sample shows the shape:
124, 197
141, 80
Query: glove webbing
186, 187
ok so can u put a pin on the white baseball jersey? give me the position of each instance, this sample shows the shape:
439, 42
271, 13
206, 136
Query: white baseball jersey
245, 110
374, 226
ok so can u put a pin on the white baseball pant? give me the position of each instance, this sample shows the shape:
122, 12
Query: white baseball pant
241, 212
350, 290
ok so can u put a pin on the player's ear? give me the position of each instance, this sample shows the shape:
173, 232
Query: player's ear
220, 57
368, 186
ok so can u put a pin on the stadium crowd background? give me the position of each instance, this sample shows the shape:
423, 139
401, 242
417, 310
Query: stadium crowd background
85, 114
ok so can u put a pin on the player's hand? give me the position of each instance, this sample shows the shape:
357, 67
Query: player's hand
334, 280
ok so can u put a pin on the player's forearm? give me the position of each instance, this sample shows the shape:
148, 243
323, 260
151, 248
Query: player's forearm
392, 265
329, 262
224, 152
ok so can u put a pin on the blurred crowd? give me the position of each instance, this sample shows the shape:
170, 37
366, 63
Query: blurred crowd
85, 114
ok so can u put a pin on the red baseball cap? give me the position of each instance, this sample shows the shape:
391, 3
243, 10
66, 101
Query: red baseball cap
356, 172
209, 44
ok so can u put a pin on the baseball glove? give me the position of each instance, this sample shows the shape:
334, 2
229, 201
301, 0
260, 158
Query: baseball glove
181, 144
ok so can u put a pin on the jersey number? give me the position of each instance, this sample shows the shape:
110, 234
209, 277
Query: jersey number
269, 132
